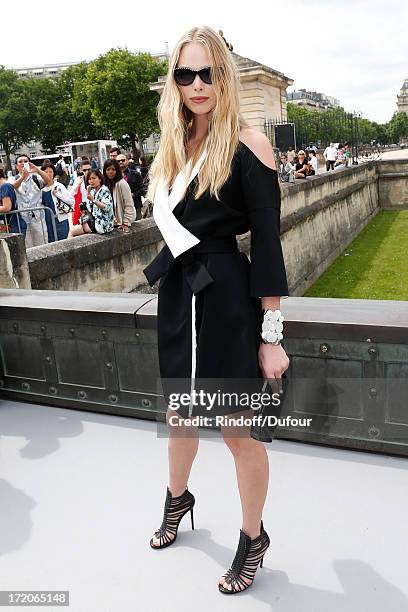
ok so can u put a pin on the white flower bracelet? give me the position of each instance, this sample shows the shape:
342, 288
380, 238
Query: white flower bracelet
272, 327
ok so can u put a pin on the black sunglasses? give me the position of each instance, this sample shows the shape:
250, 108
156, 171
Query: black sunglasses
186, 76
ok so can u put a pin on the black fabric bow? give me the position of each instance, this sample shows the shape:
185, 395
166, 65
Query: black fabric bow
197, 274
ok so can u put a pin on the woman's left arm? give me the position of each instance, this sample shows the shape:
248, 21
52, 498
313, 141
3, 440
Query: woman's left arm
47, 180
104, 200
272, 358
129, 213
260, 185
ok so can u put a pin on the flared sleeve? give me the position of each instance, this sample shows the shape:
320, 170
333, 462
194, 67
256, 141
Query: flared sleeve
262, 198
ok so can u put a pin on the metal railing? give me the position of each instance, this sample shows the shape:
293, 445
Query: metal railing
321, 129
6, 221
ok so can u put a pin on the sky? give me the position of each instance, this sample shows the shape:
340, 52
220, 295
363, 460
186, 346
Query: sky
353, 50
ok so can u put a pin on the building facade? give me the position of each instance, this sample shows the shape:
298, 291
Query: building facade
263, 91
402, 98
312, 100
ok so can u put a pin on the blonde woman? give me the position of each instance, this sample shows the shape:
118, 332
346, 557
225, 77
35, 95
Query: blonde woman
213, 178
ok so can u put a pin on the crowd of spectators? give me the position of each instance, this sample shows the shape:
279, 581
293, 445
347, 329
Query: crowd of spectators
304, 163
56, 202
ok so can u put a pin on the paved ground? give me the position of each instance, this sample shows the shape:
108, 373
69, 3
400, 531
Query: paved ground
81, 493
400, 154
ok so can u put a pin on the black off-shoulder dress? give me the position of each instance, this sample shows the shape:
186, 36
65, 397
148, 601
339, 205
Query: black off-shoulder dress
209, 306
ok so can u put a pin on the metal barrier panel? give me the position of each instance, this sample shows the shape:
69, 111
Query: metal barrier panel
44, 208
98, 351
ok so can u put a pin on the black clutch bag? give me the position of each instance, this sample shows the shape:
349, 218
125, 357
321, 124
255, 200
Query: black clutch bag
263, 428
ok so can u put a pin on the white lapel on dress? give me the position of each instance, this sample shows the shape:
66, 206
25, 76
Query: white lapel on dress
176, 236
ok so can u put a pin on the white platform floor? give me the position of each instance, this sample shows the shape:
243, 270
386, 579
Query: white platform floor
81, 493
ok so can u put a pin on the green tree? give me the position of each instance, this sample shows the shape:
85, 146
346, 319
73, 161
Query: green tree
49, 115
79, 122
398, 127
17, 113
367, 131
335, 126
118, 95
62, 113
382, 134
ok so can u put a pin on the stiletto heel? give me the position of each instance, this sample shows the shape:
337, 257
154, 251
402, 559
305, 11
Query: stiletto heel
249, 554
174, 510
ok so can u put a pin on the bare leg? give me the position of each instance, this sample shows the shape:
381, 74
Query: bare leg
252, 469
86, 228
182, 450
78, 230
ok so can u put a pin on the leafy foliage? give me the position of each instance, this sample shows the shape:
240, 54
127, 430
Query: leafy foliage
334, 126
17, 112
116, 91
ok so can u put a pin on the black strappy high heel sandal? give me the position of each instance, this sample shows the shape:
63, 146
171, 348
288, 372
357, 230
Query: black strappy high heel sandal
245, 563
174, 510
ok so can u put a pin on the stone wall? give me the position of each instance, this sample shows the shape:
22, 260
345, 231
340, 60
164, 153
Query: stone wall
111, 263
14, 272
320, 217
393, 184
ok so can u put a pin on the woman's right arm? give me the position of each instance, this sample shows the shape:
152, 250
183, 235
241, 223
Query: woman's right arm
104, 200
16, 184
6, 206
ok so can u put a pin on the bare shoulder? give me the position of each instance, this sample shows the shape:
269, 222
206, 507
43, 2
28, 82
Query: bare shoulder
260, 146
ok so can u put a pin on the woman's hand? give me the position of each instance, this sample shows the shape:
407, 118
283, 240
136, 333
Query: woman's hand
33, 167
89, 195
124, 228
274, 362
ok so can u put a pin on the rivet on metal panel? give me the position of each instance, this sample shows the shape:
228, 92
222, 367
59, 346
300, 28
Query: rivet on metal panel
48, 359
137, 334
25, 386
43, 328
374, 432
372, 350
324, 348
53, 390
72, 330
113, 398
368, 340
373, 392
104, 333
146, 403
81, 394
15, 326
109, 365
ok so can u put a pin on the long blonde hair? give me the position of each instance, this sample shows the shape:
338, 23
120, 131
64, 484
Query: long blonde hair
176, 120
